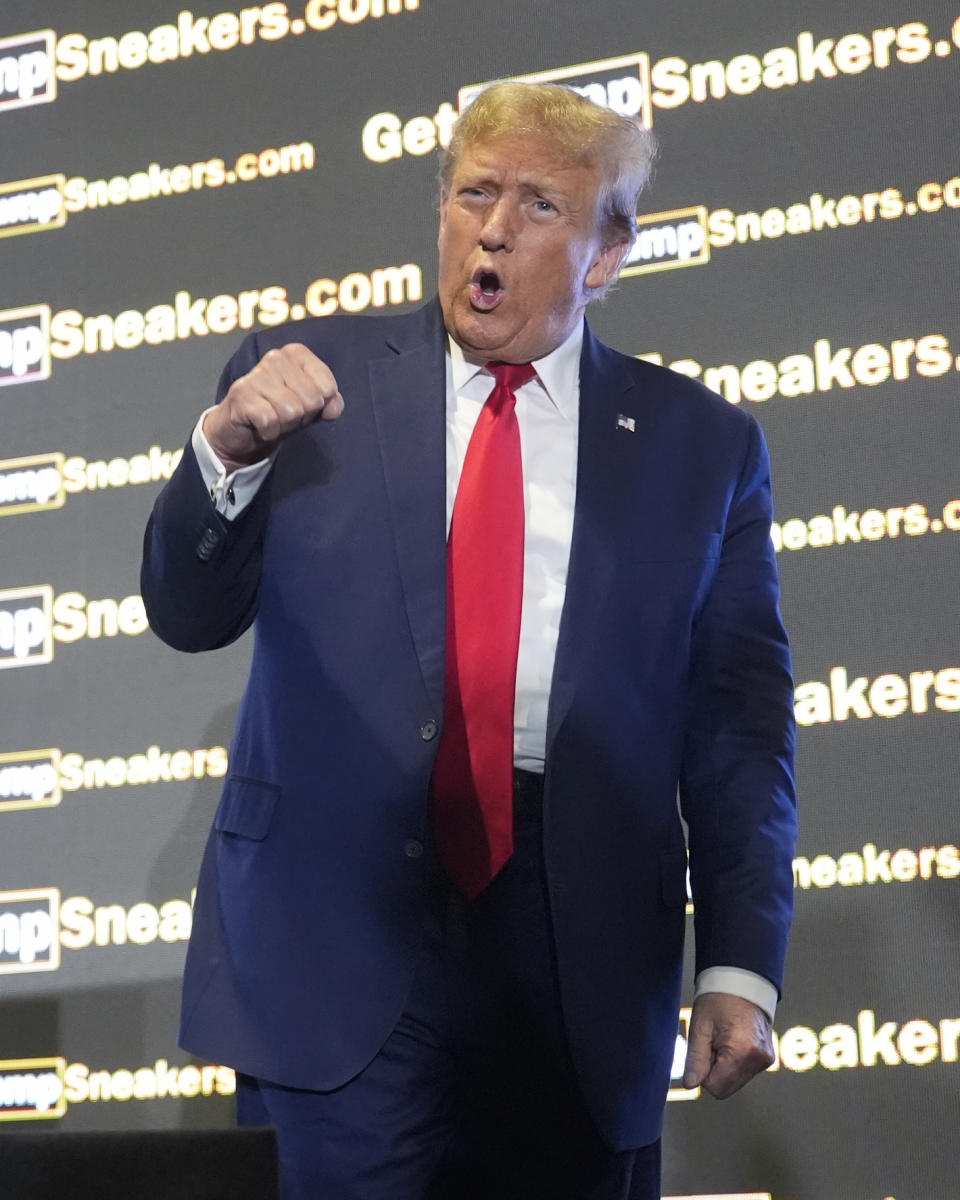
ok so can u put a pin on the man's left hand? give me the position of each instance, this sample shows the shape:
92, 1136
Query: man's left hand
730, 1042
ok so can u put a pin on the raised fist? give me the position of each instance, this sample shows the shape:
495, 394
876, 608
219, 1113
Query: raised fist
288, 388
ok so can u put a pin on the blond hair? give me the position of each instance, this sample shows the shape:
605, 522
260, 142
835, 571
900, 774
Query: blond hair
624, 148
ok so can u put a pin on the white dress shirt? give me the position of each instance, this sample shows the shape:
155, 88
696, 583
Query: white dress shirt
548, 409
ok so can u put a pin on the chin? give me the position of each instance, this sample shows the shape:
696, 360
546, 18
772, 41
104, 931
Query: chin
477, 332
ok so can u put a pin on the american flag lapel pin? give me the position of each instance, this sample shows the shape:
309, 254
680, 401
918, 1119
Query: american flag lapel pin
627, 423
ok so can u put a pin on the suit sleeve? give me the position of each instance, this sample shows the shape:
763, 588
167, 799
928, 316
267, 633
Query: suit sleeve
200, 575
736, 786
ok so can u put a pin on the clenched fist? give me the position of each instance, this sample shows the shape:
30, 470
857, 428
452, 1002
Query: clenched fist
730, 1042
288, 388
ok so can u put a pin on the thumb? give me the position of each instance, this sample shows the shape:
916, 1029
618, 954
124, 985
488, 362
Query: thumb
699, 1054
333, 408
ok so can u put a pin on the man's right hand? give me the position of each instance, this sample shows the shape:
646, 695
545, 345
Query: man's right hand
288, 388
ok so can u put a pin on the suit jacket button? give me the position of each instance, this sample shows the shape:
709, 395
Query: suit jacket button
428, 731
413, 848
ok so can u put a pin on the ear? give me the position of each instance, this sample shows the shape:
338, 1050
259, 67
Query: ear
606, 266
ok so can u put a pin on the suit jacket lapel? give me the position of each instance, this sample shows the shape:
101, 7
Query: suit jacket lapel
408, 390
604, 384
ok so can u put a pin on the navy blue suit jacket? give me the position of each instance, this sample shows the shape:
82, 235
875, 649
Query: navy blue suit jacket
671, 672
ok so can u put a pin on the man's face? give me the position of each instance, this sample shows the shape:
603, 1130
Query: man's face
519, 247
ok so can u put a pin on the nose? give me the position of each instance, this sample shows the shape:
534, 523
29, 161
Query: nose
499, 229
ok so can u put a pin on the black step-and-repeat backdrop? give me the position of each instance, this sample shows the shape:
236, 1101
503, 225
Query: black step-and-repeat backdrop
171, 178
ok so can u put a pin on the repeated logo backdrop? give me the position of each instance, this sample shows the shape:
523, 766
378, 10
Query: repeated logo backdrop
171, 178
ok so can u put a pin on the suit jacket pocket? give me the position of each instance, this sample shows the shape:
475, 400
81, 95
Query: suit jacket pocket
673, 878
246, 807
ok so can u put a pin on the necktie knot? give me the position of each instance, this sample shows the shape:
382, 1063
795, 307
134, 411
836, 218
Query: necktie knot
511, 376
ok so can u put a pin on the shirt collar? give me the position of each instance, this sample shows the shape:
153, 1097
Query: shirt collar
558, 371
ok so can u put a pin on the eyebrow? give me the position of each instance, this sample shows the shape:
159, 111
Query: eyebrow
547, 192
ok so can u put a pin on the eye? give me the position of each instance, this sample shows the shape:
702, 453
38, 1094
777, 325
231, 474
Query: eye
544, 206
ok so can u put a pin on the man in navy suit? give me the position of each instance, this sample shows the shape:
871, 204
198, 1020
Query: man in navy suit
513, 1036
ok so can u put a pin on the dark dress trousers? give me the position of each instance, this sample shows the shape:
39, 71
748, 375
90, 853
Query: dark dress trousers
671, 672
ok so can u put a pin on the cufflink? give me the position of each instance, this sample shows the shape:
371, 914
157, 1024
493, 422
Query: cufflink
208, 543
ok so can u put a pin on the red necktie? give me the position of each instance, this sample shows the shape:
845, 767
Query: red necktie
473, 777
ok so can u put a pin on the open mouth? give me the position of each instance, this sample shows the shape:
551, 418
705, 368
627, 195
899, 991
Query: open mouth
486, 290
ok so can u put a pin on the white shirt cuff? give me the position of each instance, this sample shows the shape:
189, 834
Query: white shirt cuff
232, 493
736, 981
